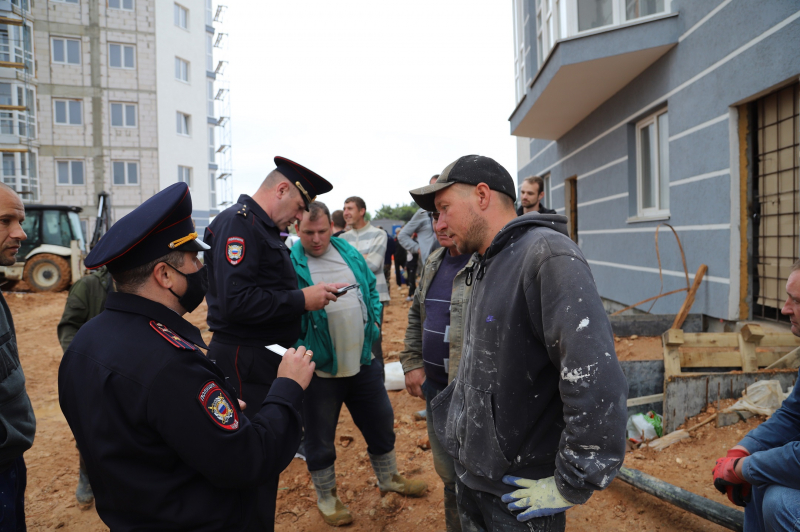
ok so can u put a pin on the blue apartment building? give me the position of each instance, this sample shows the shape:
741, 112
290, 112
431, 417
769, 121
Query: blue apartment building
682, 112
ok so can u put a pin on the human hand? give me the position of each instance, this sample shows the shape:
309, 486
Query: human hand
320, 294
539, 498
242, 404
414, 380
727, 477
297, 365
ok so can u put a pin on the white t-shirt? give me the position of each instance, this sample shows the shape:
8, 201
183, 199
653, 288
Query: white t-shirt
346, 316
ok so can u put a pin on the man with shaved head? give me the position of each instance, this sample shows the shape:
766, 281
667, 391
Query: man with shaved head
17, 423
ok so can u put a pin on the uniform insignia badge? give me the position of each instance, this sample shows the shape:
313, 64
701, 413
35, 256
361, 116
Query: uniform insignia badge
172, 337
235, 250
218, 406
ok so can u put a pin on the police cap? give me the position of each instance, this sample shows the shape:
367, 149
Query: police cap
158, 226
307, 182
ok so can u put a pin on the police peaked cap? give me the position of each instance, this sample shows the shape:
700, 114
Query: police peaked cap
309, 183
158, 226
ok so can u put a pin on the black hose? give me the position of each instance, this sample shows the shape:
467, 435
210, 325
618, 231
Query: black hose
705, 508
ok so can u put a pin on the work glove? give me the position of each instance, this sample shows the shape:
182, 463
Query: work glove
728, 482
539, 498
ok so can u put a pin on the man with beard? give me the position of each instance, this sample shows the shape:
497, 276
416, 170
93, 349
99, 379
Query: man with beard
539, 402
253, 296
531, 194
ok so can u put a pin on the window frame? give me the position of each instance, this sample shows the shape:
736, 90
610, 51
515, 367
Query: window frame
185, 175
125, 106
209, 52
19, 47
73, 2
211, 106
212, 144
66, 52
520, 83
20, 123
180, 14
187, 122
126, 166
660, 186
212, 189
70, 163
179, 70
122, 5
25, 174
122, 47
68, 112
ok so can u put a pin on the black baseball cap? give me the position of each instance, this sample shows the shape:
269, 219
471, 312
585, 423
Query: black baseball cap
470, 170
309, 183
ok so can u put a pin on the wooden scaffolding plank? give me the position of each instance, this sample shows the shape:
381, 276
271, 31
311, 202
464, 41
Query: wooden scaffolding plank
710, 340
724, 359
672, 339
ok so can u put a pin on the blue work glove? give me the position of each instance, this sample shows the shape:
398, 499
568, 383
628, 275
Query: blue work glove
539, 498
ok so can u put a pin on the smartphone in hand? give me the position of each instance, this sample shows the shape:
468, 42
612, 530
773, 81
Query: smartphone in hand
342, 291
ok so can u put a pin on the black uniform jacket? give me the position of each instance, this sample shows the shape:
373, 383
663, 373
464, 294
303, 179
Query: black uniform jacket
165, 443
253, 297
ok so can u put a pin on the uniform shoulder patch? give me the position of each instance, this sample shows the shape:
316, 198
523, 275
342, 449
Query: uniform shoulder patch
234, 250
172, 337
218, 406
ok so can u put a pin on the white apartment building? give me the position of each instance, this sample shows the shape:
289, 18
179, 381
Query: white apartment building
124, 102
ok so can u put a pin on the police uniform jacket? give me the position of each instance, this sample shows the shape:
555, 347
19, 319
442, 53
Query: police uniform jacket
253, 297
165, 443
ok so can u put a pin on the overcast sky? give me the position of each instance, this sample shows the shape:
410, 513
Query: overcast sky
374, 96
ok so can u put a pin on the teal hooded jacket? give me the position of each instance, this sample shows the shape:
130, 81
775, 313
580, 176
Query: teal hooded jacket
314, 333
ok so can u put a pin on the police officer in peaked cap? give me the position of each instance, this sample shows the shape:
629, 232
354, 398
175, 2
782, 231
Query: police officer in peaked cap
253, 297
160, 428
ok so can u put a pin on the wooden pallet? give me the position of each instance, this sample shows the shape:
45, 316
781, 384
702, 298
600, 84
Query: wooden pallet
683, 350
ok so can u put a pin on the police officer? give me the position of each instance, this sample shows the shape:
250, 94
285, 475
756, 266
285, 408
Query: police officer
164, 439
253, 297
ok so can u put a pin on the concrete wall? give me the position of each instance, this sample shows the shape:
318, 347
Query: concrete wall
725, 56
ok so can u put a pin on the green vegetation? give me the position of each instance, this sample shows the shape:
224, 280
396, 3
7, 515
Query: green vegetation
398, 212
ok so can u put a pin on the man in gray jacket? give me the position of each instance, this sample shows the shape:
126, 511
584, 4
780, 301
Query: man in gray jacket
18, 425
539, 402
421, 224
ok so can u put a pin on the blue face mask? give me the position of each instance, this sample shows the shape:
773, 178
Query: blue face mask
196, 288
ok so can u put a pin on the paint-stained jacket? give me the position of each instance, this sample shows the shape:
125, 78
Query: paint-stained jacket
411, 357
539, 390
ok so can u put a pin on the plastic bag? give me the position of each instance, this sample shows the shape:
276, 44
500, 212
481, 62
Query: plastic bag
395, 379
762, 397
642, 427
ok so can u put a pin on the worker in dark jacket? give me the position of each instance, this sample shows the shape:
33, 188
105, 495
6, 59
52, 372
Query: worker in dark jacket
17, 422
164, 439
387, 259
253, 296
539, 402
86, 299
400, 254
531, 195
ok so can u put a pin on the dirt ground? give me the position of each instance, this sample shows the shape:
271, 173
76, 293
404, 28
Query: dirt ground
53, 460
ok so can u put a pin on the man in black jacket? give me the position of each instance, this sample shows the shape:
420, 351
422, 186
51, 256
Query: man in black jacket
539, 402
531, 194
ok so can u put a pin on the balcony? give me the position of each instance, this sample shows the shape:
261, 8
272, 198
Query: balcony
583, 71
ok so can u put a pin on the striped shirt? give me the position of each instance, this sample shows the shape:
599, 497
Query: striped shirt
370, 241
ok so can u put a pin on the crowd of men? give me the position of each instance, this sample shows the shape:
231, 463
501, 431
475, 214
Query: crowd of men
524, 396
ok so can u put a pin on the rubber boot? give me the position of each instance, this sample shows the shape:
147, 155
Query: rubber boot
451, 519
84, 493
330, 507
385, 467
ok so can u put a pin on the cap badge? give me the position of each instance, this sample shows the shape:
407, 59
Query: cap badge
235, 250
218, 406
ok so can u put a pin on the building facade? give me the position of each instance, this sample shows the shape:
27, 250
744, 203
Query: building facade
639, 113
108, 95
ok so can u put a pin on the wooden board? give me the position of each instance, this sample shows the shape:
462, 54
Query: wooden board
711, 339
724, 359
686, 395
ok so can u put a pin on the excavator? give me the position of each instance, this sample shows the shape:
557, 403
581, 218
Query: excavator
51, 258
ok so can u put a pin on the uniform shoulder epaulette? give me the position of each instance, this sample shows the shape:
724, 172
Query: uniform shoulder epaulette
242, 211
172, 337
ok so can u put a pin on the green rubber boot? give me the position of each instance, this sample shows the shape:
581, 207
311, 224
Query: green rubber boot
385, 467
330, 507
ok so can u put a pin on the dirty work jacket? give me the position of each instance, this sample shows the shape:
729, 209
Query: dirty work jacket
411, 357
539, 390
314, 332
86, 299
774, 446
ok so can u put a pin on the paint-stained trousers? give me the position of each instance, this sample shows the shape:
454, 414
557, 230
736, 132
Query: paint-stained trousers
484, 512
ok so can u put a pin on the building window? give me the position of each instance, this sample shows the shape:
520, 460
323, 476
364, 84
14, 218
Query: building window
181, 70
22, 4
19, 173
181, 17
25, 120
16, 45
125, 172
551, 25
209, 53
212, 148
210, 94
125, 5
66, 51
212, 189
183, 123
68, 112
66, 1
595, 14
121, 56
519, 49
643, 8
185, 175
652, 165
69, 172
209, 13
123, 115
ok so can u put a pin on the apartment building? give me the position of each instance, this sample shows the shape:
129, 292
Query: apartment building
639, 113
109, 95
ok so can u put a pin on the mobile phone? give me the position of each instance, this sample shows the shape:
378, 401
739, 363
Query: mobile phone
346, 289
